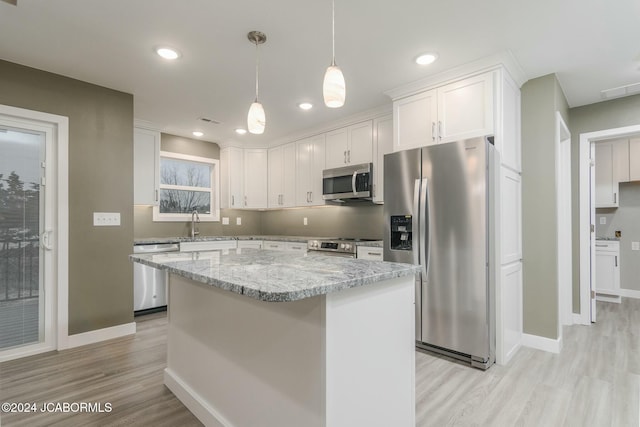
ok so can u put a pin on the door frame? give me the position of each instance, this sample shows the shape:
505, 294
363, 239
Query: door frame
60, 174
586, 206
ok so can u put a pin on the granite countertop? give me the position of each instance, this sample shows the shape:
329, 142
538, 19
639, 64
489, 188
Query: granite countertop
274, 275
371, 244
158, 240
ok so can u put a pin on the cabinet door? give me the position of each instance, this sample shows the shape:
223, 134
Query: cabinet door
146, 163
607, 273
304, 157
274, 245
288, 198
465, 108
508, 141
509, 317
360, 148
317, 166
510, 216
337, 143
369, 253
605, 188
276, 175
231, 177
382, 144
415, 120
620, 160
255, 178
634, 159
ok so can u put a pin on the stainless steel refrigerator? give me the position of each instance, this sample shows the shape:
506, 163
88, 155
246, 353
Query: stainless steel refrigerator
440, 213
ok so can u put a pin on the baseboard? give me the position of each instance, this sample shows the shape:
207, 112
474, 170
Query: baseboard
542, 343
578, 320
629, 293
100, 335
193, 401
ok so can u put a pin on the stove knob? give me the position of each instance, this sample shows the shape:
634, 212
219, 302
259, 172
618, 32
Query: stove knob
342, 245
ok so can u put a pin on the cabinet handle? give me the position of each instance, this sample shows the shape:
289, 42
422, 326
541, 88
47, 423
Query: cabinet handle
615, 197
373, 253
156, 195
348, 156
601, 246
440, 129
233, 200
433, 131
245, 200
616, 258
344, 153
311, 196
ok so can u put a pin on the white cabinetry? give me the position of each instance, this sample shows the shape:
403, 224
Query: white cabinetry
621, 160
634, 159
255, 178
207, 245
249, 244
243, 178
459, 110
606, 187
275, 245
146, 164
382, 144
369, 253
510, 216
310, 159
282, 176
350, 145
608, 270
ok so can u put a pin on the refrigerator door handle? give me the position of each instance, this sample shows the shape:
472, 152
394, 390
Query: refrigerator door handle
425, 233
415, 229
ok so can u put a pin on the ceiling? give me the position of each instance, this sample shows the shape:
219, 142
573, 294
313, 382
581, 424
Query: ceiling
589, 44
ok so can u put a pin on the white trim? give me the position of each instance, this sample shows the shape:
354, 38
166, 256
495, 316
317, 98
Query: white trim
585, 208
629, 293
99, 335
61, 160
577, 319
198, 406
542, 343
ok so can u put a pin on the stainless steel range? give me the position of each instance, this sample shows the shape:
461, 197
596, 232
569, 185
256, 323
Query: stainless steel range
336, 247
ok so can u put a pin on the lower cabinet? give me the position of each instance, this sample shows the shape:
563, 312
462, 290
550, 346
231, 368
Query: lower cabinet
369, 253
250, 244
276, 245
509, 313
608, 271
207, 245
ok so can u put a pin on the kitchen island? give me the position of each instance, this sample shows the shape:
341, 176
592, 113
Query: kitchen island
274, 338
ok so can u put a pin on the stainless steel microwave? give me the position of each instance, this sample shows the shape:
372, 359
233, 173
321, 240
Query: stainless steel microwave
354, 182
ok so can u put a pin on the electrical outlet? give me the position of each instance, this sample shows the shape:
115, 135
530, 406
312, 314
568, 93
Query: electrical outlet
225, 220
239, 221
603, 220
635, 246
106, 219
304, 221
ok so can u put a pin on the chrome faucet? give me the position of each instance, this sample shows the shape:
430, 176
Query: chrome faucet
194, 220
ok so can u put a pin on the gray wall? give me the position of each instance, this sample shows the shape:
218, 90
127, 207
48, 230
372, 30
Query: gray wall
625, 218
541, 98
100, 180
590, 118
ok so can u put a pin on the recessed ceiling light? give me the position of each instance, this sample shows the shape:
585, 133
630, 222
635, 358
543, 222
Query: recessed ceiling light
167, 52
197, 133
241, 131
305, 105
426, 58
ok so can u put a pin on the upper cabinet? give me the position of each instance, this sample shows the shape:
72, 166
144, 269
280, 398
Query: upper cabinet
459, 110
243, 178
606, 188
382, 144
634, 159
146, 163
350, 145
310, 160
282, 176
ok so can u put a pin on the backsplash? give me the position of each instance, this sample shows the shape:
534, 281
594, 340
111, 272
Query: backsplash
625, 218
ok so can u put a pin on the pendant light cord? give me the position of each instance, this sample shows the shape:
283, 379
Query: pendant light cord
333, 31
257, 69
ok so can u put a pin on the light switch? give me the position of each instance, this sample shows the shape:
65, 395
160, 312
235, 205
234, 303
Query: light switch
603, 220
635, 246
304, 221
225, 220
106, 219
239, 221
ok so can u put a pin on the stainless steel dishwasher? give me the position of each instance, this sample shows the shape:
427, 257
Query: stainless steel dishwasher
150, 284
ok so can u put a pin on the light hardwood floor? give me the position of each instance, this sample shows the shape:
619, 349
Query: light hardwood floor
595, 381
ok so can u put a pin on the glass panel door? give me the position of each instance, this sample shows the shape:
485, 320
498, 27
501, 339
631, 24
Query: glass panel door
22, 305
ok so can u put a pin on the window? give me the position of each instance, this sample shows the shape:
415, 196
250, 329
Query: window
187, 183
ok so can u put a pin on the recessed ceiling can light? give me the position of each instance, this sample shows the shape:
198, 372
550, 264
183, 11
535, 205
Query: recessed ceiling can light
168, 53
305, 105
241, 131
426, 58
197, 133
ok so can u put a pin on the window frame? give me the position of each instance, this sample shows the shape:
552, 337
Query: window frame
214, 189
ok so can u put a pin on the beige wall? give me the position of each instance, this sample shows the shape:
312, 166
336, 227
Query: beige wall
590, 118
541, 98
100, 180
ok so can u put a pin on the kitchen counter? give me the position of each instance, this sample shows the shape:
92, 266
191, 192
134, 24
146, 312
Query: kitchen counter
270, 338
273, 275
154, 240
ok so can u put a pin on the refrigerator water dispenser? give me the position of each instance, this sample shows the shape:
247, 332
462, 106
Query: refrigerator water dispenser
401, 233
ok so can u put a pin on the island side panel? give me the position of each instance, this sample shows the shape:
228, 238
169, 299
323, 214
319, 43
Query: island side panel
236, 361
370, 355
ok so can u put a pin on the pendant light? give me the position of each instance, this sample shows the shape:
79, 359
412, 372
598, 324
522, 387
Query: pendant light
256, 119
333, 87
